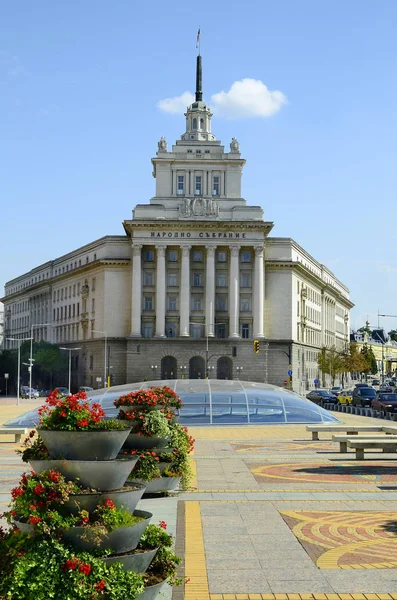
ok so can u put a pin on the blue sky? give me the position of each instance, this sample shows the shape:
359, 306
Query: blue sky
79, 88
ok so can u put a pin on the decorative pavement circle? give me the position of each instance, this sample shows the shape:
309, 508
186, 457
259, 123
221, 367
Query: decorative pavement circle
301, 446
346, 540
359, 472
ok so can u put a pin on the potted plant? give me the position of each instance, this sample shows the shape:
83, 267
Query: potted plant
73, 429
163, 568
109, 527
37, 502
160, 398
150, 429
42, 568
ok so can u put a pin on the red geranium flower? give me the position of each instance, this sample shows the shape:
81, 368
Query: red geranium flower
110, 504
39, 489
34, 520
85, 568
163, 524
100, 585
16, 492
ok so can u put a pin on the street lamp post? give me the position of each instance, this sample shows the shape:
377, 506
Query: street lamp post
19, 362
70, 350
105, 376
31, 353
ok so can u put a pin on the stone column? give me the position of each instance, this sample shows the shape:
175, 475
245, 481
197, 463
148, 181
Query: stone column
210, 291
160, 292
184, 294
136, 291
259, 293
234, 292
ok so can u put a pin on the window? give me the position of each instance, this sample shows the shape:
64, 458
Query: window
201, 123
53, 314
93, 284
171, 302
222, 257
245, 304
189, 151
70, 291
197, 256
171, 330
78, 288
197, 279
61, 313
148, 278
172, 279
220, 302
70, 311
215, 185
62, 294
195, 331
80, 263
220, 330
198, 151
91, 361
74, 290
94, 256
149, 255
148, 303
194, 124
78, 308
207, 151
246, 256
198, 185
196, 303
245, 280
221, 279
87, 260
181, 185
245, 331
74, 310
92, 305
173, 256
54, 297
147, 330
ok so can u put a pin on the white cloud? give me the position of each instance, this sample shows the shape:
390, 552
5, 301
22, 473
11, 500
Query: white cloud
177, 104
248, 98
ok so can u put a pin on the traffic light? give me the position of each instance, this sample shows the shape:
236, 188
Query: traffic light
256, 347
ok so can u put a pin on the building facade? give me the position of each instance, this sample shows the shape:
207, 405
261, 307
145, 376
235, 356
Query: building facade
193, 282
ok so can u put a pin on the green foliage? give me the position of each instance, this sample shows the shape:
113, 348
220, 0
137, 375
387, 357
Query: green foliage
33, 448
370, 364
36, 568
147, 466
331, 362
393, 335
354, 360
164, 565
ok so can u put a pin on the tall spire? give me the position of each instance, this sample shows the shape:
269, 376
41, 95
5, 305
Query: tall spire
199, 80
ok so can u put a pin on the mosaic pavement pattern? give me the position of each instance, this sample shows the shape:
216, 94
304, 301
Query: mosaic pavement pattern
338, 472
346, 540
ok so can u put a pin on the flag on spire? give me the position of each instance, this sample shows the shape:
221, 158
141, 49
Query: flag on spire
198, 39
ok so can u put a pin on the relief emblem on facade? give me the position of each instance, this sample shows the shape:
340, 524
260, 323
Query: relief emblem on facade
198, 207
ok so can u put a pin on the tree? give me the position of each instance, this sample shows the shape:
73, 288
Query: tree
330, 362
393, 335
354, 360
370, 364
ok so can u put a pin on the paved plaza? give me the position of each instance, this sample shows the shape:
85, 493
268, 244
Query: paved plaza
273, 515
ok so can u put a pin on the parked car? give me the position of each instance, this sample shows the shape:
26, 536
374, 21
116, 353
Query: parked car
85, 388
336, 390
63, 390
385, 402
25, 392
346, 397
318, 396
375, 382
363, 396
385, 389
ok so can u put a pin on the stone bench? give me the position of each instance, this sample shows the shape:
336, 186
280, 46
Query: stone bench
342, 440
17, 431
348, 429
359, 445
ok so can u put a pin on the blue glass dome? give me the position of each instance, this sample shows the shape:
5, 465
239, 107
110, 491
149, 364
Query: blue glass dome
216, 402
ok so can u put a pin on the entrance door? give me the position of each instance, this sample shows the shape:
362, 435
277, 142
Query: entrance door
224, 368
197, 368
169, 367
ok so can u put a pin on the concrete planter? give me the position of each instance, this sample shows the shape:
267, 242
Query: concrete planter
142, 442
84, 445
136, 561
122, 498
119, 541
160, 484
98, 475
149, 593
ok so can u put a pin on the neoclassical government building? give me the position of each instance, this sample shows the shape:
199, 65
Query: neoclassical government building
193, 281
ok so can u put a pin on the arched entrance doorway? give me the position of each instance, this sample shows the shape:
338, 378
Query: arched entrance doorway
224, 368
197, 368
169, 368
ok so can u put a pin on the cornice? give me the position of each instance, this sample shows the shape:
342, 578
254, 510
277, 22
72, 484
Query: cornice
129, 226
298, 266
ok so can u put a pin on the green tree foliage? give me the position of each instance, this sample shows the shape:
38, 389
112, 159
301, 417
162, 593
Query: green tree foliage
331, 362
393, 335
370, 365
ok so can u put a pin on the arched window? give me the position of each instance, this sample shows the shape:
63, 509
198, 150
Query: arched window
197, 368
169, 367
194, 123
224, 368
201, 123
